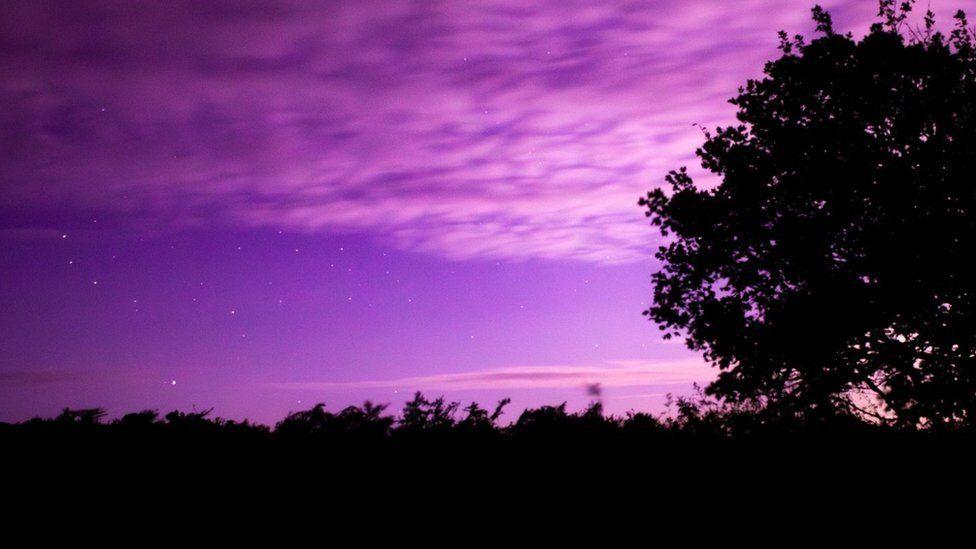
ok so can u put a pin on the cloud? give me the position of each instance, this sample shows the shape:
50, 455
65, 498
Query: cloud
493, 129
30, 234
31, 378
625, 373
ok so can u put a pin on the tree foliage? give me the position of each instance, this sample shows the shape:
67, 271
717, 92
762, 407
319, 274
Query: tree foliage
832, 266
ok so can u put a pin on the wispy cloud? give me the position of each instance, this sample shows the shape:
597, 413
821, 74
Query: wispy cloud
30, 234
25, 378
484, 129
631, 373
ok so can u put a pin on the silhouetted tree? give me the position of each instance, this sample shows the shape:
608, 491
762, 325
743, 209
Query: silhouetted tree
640, 424
547, 423
831, 269
143, 420
367, 421
81, 417
192, 422
479, 421
428, 416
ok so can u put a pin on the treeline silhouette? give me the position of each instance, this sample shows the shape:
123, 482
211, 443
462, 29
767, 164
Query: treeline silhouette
438, 453
435, 423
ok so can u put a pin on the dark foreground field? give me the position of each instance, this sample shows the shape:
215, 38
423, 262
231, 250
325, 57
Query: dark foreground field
434, 465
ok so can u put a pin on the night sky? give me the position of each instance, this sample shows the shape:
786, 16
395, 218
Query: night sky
255, 206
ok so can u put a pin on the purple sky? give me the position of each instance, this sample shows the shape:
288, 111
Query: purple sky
256, 208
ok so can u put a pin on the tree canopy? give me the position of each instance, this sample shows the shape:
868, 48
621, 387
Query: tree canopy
833, 265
